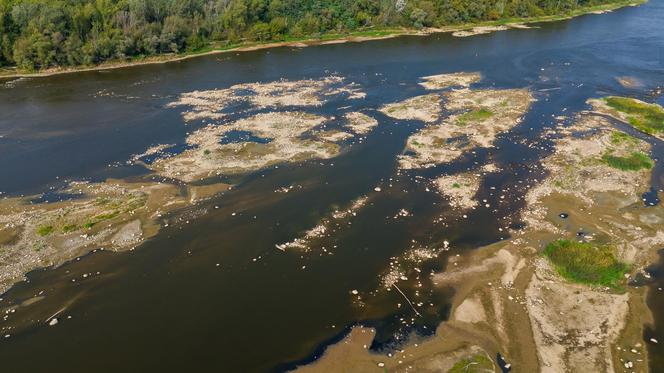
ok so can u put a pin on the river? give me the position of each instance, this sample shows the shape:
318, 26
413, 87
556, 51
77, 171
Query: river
168, 306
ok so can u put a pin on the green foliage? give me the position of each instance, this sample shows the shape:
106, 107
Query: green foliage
635, 162
473, 364
45, 230
586, 263
648, 118
39, 34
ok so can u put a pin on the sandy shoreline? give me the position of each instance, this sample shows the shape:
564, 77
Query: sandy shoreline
161, 59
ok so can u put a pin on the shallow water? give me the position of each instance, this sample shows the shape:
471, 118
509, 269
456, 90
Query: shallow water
167, 305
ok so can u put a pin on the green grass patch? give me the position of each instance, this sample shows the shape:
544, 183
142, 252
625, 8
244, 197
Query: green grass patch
45, 230
474, 116
89, 224
587, 263
635, 162
473, 364
107, 216
456, 185
69, 228
618, 137
648, 118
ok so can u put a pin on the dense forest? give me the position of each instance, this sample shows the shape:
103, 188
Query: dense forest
37, 34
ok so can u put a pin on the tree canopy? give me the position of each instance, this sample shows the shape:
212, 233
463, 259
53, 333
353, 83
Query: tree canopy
38, 34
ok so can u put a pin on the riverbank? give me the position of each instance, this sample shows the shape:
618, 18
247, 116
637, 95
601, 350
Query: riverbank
580, 312
354, 37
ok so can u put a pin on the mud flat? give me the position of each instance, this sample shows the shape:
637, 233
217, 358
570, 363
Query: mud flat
113, 216
460, 189
442, 81
425, 108
271, 137
479, 116
544, 308
352, 354
210, 104
284, 141
480, 30
629, 82
360, 123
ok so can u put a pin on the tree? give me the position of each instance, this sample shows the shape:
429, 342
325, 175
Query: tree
418, 16
37, 34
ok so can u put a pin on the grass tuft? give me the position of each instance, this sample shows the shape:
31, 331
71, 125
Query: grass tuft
618, 137
587, 263
474, 116
45, 230
635, 162
69, 228
648, 118
473, 364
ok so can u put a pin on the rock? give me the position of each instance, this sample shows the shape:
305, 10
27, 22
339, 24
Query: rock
354, 292
53, 322
653, 340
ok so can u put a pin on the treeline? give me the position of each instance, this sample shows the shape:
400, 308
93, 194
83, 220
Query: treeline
37, 34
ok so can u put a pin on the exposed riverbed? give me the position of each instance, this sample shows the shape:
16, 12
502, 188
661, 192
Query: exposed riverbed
299, 192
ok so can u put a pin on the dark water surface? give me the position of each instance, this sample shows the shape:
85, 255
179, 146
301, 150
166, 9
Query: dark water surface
167, 306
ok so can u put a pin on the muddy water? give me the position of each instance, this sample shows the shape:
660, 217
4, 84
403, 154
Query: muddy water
168, 306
